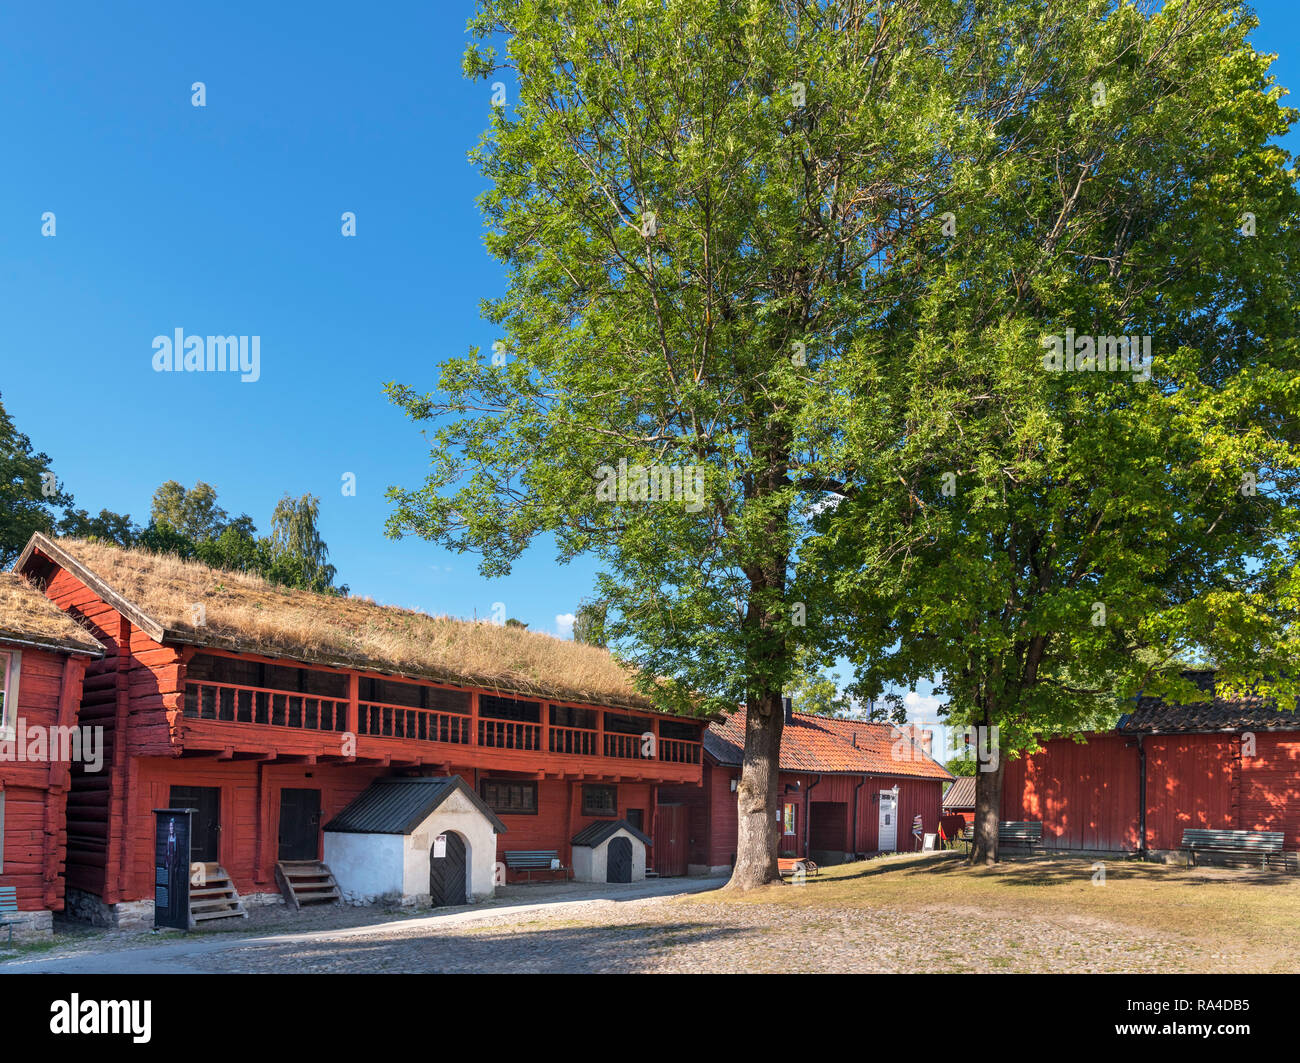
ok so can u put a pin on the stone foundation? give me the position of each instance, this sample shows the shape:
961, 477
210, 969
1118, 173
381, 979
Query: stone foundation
125, 915
27, 926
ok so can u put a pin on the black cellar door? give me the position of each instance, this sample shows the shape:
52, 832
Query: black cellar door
447, 872
299, 824
205, 841
618, 861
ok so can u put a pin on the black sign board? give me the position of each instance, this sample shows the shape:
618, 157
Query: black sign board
171, 875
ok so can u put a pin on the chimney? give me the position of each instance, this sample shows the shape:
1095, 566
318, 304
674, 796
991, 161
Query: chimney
788, 705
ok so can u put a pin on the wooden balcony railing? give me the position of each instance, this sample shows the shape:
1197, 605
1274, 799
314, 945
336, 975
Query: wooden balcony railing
573, 740
509, 734
626, 747
424, 725
206, 700
275, 708
679, 751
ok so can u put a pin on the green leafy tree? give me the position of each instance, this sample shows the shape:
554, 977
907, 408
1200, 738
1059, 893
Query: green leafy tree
194, 512
589, 623
297, 542
30, 494
695, 204
961, 766
814, 690
107, 526
1048, 542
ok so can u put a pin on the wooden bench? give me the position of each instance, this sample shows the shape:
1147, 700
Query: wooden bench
530, 860
1020, 832
789, 865
9, 906
1015, 832
1265, 844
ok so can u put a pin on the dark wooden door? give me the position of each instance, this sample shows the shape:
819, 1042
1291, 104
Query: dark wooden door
299, 825
205, 839
447, 872
671, 838
618, 861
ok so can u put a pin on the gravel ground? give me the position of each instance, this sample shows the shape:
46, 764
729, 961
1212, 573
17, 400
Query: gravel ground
697, 937
931, 922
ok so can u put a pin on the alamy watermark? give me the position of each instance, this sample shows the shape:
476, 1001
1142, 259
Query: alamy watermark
46, 745
179, 353
652, 483
1098, 354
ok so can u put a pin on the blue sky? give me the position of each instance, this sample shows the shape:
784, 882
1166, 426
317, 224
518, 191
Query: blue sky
225, 219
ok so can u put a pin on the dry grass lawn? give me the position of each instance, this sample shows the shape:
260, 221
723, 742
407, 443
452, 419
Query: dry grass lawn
1230, 919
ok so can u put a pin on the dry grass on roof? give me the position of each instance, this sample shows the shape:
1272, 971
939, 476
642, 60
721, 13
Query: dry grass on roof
245, 612
27, 615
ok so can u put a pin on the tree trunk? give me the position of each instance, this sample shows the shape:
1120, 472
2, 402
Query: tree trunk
756, 795
988, 805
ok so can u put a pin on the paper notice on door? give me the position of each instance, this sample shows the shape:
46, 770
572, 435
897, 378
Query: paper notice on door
440, 846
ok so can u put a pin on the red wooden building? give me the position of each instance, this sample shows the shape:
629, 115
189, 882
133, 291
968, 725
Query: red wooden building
848, 789
269, 710
43, 655
1222, 764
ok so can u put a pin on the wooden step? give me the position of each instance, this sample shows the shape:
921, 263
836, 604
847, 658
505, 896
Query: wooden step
306, 882
216, 898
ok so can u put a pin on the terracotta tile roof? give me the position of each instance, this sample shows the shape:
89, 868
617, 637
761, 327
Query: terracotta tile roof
29, 618
961, 794
1249, 713
827, 744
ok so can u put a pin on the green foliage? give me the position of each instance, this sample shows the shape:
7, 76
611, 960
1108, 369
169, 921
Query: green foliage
813, 690
29, 491
866, 219
962, 765
194, 512
589, 623
707, 338
1049, 543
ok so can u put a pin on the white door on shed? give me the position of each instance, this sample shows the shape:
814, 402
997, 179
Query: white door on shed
887, 839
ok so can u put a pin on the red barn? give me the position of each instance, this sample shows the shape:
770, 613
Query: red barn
1222, 764
848, 788
269, 710
43, 656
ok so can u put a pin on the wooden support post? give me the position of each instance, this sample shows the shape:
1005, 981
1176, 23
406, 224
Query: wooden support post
354, 703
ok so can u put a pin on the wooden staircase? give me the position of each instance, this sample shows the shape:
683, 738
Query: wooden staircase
306, 882
213, 895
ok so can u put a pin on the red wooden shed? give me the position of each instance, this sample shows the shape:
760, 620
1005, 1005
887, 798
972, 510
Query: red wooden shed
849, 788
43, 656
1223, 764
268, 710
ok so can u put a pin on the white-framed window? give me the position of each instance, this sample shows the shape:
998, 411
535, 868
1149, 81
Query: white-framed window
11, 662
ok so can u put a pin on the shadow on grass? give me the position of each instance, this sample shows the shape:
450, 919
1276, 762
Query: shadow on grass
1049, 869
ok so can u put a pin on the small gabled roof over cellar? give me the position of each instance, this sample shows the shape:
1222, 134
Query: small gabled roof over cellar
400, 805
596, 833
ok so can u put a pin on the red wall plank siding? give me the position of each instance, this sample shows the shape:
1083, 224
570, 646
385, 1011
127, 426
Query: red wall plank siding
1084, 794
36, 792
136, 695
1270, 787
915, 797
1189, 784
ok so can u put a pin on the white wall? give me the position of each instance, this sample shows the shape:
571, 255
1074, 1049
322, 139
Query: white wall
458, 813
366, 866
592, 864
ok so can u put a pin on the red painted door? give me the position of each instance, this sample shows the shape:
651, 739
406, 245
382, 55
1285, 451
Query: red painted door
670, 840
